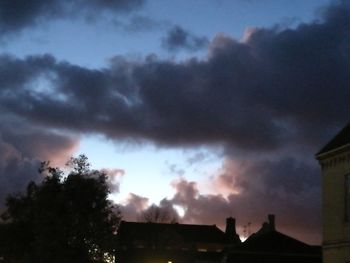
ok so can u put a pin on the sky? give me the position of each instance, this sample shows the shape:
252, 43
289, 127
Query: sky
208, 109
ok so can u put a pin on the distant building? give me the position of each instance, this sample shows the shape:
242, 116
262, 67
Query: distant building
156, 242
165, 243
334, 159
270, 246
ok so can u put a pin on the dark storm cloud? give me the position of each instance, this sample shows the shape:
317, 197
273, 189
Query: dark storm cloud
160, 101
248, 191
22, 147
288, 188
15, 171
278, 93
178, 38
16, 15
290, 176
277, 88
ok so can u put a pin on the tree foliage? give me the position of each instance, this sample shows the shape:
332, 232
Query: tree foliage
63, 219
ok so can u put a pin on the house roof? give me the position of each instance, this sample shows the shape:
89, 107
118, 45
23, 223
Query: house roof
187, 233
341, 139
273, 246
276, 242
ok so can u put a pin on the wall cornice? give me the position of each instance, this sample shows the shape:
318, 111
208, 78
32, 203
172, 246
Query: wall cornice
339, 159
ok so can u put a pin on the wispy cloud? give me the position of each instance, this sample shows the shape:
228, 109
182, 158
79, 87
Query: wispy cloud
178, 38
18, 15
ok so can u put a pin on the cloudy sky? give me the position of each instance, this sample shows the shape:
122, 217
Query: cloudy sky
209, 108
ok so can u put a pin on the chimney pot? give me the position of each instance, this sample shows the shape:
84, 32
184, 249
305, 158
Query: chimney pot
271, 219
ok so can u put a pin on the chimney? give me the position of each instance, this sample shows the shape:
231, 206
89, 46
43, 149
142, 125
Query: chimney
271, 219
230, 226
230, 230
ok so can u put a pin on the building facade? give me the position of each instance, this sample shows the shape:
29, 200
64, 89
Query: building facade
334, 159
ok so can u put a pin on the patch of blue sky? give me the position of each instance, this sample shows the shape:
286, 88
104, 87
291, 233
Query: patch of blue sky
92, 44
85, 44
149, 170
207, 17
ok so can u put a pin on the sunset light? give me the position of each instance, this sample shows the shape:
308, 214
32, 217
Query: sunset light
192, 123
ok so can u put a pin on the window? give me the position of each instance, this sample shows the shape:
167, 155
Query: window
347, 201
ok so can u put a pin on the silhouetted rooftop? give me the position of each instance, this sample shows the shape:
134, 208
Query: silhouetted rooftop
187, 243
269, 245
276, 242
341, 139
187, 233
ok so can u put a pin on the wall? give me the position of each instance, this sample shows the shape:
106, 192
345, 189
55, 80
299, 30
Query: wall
336, 227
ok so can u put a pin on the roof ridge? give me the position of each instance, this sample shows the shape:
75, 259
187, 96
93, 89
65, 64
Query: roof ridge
157, 223
340, 139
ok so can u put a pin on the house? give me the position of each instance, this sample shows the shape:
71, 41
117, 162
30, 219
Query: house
270, 245
334, 159
158, 242
165, 243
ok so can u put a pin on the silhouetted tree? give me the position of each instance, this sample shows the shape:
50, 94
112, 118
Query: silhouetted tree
63, 219
158, 214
